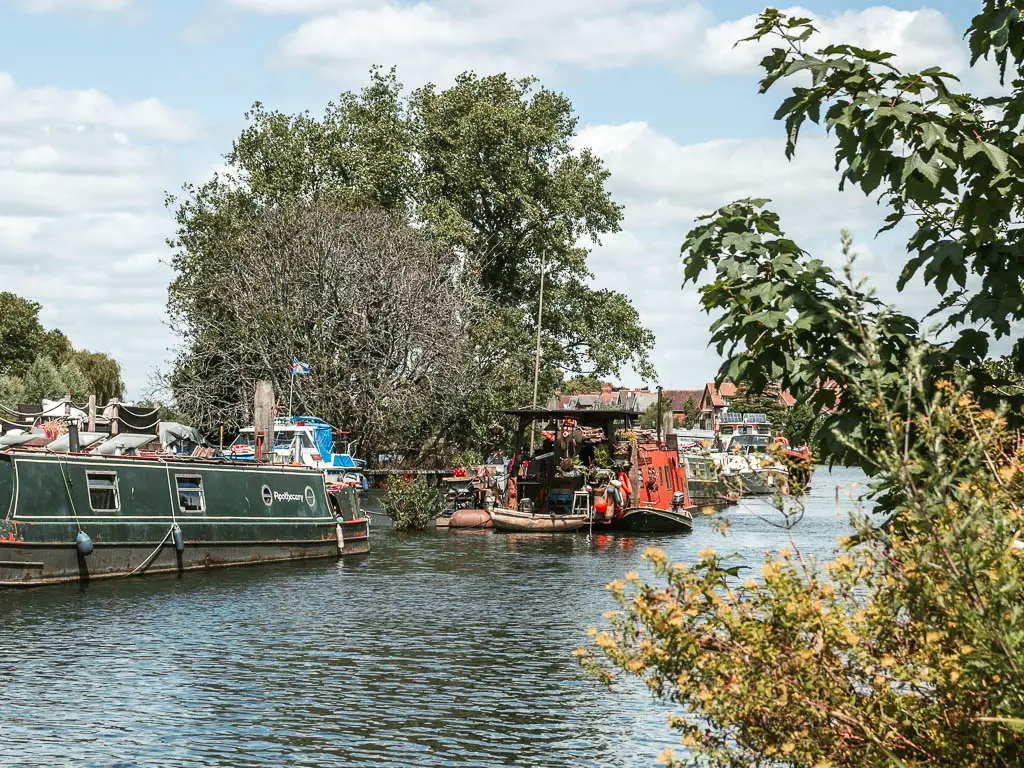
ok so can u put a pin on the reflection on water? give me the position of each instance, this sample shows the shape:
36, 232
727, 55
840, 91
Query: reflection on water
438, 649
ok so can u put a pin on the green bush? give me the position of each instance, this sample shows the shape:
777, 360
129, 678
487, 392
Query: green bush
411, 504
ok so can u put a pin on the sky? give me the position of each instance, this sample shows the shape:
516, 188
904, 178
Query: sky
107, 106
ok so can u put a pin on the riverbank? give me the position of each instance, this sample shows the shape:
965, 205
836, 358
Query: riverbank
438, 648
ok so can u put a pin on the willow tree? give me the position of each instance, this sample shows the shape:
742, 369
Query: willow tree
378, 311
908, 647
486, 168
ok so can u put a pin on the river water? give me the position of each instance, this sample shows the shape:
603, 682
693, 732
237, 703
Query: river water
437, 649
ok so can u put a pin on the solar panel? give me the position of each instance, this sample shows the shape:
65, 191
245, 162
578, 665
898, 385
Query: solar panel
124, 444
85, 439
8, 441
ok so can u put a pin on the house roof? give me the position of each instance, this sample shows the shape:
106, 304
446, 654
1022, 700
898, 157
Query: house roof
712, 396
678, 397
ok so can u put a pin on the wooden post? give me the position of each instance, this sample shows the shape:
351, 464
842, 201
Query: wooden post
263, 415
115, 419
92, 413
67, 405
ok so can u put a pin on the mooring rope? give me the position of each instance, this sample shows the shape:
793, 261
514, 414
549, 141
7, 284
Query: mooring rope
67, 487
152, 555
170, 531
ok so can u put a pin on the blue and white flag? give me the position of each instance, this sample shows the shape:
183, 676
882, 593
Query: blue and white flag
299, 368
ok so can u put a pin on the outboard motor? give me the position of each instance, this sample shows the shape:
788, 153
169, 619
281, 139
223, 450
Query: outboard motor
678, 500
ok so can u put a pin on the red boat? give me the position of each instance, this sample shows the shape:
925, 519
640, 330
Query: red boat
594, 463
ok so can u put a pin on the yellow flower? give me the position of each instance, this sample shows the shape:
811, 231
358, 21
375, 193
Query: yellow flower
579, 653
632, 576
666, 756
654, 553
887, 661
750, 584
932, 637
603, 640
706, 553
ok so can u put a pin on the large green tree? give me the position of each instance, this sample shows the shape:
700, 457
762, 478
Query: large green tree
488, 169
21, 333
37, 363
102, 374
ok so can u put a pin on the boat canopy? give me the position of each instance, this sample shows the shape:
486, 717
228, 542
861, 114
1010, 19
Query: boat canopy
321, 432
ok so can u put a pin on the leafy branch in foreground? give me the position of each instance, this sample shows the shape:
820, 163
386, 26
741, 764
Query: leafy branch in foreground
906, 649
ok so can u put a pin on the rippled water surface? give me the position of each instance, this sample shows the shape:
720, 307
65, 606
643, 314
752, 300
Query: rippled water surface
438, 649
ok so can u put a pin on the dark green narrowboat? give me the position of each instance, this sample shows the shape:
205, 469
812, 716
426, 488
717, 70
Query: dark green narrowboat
74, 517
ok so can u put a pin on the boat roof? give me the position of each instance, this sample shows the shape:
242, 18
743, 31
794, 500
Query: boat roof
598, 414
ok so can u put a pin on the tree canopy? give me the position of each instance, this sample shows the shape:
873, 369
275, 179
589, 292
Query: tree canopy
485, 167
36, 363
377, 310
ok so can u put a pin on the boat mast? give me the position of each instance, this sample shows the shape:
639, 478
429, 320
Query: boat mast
536, 357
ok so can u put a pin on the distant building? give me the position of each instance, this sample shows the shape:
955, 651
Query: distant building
676, 400
622, 398
715, 399
638, 400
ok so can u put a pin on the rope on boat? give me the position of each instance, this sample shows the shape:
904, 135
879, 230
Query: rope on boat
136, 426
170, 531
152, 555
67, 487
18, 413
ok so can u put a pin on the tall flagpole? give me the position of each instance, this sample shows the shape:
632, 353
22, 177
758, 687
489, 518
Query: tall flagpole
536, 357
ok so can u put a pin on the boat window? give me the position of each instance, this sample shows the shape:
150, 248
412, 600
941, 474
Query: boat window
103, 491
190, 494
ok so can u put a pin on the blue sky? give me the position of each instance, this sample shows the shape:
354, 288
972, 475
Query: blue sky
107, 104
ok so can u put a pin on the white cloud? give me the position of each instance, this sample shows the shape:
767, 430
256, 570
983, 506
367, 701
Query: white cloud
665, 185
82, 224
42, 107
434, 39
46, 6
921, 38
296, 6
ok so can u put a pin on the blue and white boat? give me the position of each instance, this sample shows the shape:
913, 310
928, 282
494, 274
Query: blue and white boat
309, 441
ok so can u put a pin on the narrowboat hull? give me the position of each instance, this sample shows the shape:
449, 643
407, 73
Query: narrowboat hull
143, 515
653, 520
